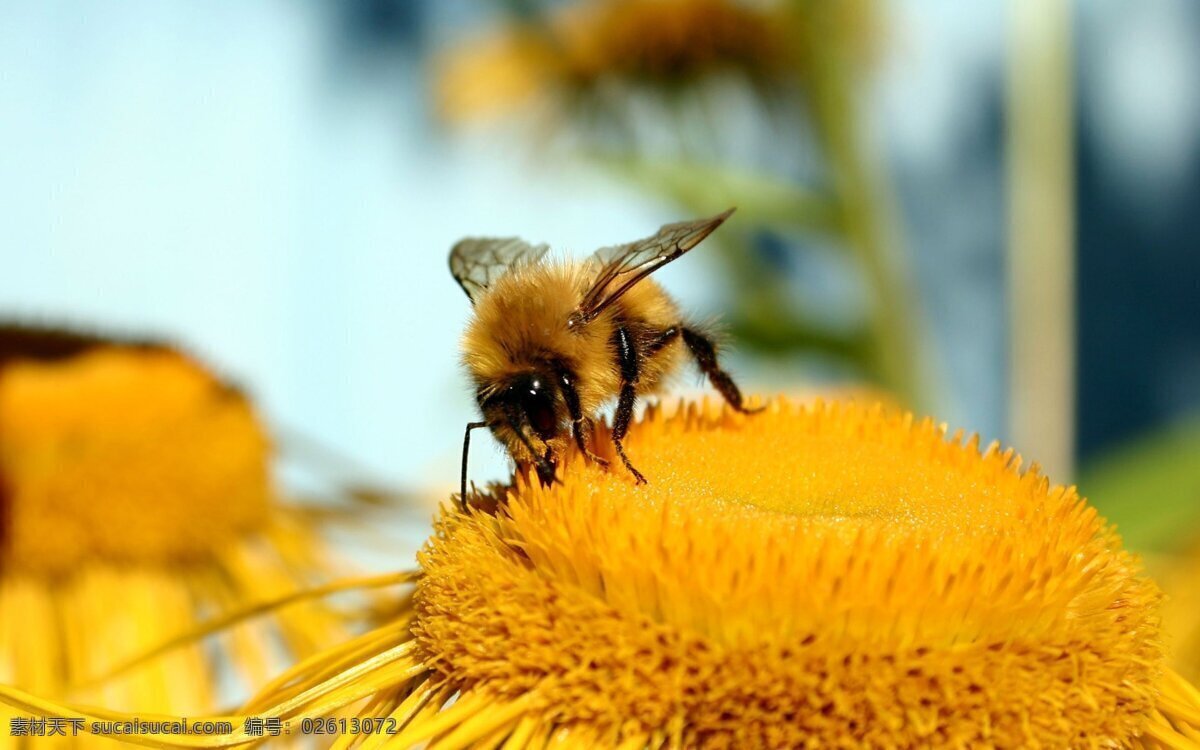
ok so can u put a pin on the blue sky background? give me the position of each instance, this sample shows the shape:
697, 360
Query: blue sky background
265, 183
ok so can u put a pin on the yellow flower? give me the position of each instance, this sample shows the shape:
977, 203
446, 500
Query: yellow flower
135, 504
595, 44
821, 576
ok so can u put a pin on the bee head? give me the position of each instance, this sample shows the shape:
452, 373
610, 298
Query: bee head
528, 400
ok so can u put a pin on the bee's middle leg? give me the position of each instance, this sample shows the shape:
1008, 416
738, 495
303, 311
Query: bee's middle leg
627, 358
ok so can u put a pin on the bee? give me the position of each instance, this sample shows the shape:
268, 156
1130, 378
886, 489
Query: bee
550, 342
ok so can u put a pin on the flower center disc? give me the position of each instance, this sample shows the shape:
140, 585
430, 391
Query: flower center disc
801, 574
120, 453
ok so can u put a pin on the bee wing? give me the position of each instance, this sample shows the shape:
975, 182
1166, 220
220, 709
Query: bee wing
623, 266
476, 262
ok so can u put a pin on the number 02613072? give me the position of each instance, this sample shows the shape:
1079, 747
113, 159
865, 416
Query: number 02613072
352, 725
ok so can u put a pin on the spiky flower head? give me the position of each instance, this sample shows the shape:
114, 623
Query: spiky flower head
832, 575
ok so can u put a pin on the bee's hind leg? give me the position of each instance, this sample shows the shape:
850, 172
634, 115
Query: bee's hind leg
705, 354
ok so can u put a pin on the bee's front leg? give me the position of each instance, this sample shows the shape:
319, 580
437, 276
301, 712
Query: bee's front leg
582, 428
544, 464
546, 469
584, 431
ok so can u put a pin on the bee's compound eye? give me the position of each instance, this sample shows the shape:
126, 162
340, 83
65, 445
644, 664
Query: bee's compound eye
542, 419
537, 401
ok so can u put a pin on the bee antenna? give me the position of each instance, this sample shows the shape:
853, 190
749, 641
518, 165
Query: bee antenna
462, 498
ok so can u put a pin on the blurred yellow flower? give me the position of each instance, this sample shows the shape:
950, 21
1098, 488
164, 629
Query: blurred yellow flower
135, 503
597, 43
825, 576
1179, 574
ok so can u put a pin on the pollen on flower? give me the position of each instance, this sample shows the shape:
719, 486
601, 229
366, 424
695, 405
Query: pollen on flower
127, 453
823, 575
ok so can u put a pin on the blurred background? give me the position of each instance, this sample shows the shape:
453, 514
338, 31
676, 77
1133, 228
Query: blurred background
986, 210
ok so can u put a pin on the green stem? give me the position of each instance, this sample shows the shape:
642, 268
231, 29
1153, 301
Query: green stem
862, 199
